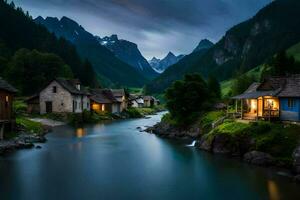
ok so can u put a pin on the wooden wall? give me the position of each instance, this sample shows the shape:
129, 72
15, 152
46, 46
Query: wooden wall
5, 106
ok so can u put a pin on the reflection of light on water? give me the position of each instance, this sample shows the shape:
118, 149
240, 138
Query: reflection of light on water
80, 132
273, 190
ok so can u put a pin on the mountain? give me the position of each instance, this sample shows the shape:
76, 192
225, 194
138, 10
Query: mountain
274, 28
105, 63
203, 44
129, 53
20, 36
161, 65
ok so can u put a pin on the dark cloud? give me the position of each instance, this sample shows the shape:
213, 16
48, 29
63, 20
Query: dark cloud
157, 26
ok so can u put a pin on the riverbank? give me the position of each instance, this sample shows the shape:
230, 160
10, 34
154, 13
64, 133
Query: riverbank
256, 143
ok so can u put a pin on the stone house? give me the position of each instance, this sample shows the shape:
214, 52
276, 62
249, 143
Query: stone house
150, 101
136, 101
120, 96
64, 96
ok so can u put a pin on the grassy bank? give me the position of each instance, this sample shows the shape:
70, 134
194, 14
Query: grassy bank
277, 139
29, 126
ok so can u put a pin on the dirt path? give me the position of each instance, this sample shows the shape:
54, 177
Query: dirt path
48, 122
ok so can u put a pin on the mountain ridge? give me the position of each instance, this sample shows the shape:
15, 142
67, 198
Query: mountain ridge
274, 28
105, 63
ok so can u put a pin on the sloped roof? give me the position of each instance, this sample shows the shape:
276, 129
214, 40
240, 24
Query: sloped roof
287, 86
148, 98
7, 87
103, 96
291, 87
118, 92
70, 85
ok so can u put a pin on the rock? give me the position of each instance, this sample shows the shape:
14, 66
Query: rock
38, 147
222, 145
258, 158
296, 160
204, 144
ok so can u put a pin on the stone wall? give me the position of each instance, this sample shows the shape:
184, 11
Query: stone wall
62, 100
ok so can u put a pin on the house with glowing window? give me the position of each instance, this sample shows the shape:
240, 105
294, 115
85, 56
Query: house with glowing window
103, 100
276, 98
7, 93
62, 96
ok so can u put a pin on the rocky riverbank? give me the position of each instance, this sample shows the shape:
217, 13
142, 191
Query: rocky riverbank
166, 130
242, 146
23, 140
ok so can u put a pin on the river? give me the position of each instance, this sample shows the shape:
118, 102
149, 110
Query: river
116, 161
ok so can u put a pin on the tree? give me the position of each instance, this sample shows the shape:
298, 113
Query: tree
187, 98
214, 86
241, 83
29, 70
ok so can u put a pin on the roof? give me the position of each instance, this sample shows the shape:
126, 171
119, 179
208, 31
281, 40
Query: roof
118, 92
287, 86
291, 87
148, 98
70, 85
103, 96
7, 87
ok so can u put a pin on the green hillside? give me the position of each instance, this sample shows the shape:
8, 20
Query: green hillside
295, 51
31, 47
273, 29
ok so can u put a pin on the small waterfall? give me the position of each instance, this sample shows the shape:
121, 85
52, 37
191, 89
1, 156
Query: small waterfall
193, 144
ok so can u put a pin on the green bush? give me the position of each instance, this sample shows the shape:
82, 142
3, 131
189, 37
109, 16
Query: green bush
134, 113
30, 126
167, 118
210, 117
19, 107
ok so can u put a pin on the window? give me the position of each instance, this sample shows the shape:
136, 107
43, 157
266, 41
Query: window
6, 101
54, 89
87, 105
291, 103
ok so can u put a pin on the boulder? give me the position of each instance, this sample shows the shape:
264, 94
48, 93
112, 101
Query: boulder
296, 160
258, 158
222, 145
204, 144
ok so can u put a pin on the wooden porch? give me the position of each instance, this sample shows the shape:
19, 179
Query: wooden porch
266, 108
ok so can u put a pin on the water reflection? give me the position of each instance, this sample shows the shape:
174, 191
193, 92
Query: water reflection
80, 132
273, 190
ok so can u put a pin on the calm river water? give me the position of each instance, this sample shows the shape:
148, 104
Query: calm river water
116, 161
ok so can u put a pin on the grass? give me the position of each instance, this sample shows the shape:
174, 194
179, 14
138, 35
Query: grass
30, 126
295, 51
138, 91
228, 84
277, 139
210, 117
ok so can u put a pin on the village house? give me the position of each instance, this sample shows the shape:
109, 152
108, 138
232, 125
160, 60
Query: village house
274, 98
7, 93
63, 96
103, 100
150, 101
136, 101
120, 95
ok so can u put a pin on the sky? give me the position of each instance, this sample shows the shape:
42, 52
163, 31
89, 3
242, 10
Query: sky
156, 26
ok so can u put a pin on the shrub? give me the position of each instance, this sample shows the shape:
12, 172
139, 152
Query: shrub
30, 126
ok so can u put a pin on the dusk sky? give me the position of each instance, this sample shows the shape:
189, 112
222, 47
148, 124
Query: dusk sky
157, 26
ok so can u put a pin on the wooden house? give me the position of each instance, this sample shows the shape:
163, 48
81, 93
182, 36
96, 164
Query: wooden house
274, 98
103, 100
7, 93
64, 96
